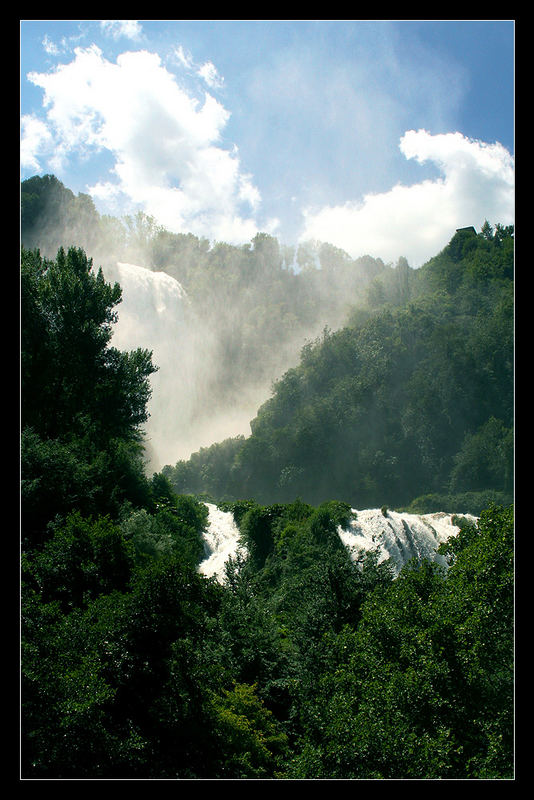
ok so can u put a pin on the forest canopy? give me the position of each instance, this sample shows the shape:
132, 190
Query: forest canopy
304, 662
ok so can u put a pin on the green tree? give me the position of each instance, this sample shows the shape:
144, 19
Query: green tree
51, 216
257, 534
479, 606
251, 743
71, 377
83, 402
66, 696
83, 558
172, 529
485, 460
422, 688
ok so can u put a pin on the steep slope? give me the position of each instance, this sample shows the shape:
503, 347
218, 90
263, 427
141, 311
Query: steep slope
416, 399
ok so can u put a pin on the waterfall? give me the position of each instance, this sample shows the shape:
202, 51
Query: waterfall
155, 314
397, 536
400, 536
221, 542
185, 409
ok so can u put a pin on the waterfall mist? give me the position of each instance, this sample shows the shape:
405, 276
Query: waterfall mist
218, 353
185, 414
224, 322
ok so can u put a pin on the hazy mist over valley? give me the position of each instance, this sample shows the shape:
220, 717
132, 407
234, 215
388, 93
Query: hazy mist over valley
223, 321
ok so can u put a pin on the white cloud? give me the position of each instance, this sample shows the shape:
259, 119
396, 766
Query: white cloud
209, 74
118, 28
184, 57
166, 144
35, 137
476, 183
206, 71
50, 47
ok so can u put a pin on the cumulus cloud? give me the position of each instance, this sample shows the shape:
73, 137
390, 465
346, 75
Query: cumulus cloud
476, 182
35, 137
166, 144
170, 158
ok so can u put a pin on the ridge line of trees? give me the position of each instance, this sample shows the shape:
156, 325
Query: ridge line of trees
410, 404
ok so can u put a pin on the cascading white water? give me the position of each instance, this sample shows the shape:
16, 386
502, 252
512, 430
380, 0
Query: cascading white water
221, 542
397, 536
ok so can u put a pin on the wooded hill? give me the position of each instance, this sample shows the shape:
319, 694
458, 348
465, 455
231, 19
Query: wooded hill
410, 403
305, 663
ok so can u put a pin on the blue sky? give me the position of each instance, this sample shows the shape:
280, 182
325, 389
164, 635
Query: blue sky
379, 136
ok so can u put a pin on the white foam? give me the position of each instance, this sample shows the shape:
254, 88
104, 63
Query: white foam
397, 536
400, 536
221, 542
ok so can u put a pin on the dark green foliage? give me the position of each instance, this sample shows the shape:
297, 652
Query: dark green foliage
305, 663
166, 532
83, 559
485, 460
250, 741
83, 402
59, 477
423, 687
72, 380
137, 684
125, 670
461, 503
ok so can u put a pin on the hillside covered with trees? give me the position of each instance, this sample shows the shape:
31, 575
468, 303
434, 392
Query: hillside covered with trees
304, 663
410, 402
